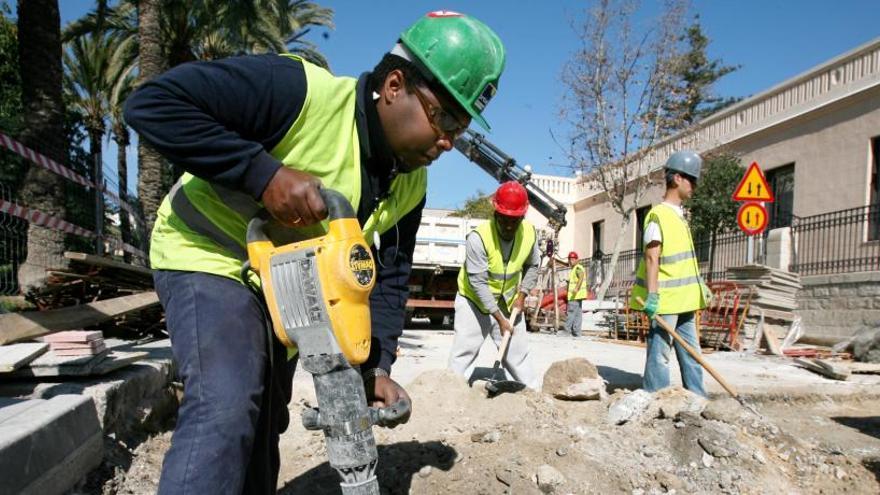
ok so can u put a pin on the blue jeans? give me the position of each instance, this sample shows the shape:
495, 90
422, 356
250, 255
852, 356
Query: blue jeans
575, 318
226, 437
659, 347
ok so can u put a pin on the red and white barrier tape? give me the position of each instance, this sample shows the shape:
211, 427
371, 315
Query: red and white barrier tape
52, 222
53, 166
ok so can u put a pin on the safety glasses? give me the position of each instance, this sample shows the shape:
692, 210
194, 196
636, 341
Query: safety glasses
443, 122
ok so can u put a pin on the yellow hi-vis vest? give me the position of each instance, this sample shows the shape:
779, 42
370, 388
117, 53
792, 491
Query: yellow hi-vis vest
679, 282
202, 226
504, 278
577, 272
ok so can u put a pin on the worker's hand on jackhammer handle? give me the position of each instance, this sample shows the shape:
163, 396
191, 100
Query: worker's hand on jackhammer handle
382, 391
293, 198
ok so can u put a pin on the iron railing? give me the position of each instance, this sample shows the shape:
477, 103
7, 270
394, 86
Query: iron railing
731, 249
837, 242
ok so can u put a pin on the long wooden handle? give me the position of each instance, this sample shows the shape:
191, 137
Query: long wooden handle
671, 331
505, 339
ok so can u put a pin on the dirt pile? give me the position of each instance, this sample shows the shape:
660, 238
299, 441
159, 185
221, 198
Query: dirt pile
458, 441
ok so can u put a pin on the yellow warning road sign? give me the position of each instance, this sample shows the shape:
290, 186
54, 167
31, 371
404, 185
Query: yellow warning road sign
753, 186
752, 218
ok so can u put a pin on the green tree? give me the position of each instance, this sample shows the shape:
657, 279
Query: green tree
712, 208
694, 74
123, 85
10, 83
477, 206
93, 63
171, 32
11, 167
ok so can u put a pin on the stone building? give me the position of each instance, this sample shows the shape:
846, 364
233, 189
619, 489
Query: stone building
817, 138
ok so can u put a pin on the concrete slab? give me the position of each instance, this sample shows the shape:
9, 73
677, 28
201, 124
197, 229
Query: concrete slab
14, 356
49, 445
137, 397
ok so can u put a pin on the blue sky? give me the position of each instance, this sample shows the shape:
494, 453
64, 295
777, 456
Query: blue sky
772, 40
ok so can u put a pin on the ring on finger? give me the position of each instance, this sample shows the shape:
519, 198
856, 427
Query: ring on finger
296, 220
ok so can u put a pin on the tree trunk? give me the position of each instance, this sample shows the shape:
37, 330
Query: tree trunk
121, 134
39, 54
609, 275
150, 163
95, 136
714, 238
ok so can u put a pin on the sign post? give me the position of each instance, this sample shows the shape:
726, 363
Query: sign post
752, 217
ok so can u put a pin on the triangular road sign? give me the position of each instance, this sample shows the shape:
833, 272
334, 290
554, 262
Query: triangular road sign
753, 186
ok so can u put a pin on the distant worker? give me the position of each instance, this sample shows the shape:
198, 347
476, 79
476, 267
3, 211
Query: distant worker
577, 292
668, 278
500, 268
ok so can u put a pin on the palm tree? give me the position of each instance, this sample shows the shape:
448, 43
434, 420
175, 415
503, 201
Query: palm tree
94, 63
150, 163
123, 85
170, 32
39, 42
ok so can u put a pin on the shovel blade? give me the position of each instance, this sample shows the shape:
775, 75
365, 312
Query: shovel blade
496, 387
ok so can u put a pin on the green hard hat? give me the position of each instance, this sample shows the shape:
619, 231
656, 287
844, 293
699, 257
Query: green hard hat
461, 53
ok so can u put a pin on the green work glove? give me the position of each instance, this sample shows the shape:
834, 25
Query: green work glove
651, 305
707, 293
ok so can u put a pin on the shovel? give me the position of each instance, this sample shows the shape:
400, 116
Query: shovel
699, 358
497, 382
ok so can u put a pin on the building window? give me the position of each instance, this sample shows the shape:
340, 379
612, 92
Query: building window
598, 227
641, 213
781, 181
874, 205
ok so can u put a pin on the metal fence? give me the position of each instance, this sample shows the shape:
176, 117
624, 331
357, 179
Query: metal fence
731, 249
70, 225
837, 242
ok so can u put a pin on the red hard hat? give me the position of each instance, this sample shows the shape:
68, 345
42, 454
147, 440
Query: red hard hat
573, 255
511, 199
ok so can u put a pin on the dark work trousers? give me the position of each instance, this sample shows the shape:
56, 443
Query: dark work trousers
226, 438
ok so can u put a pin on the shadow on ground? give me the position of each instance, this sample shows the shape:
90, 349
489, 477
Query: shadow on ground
869, 425
619, 379
398, 463
873, 464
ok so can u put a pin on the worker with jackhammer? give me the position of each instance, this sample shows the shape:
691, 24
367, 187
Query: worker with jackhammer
668, 278
576, 293
500, 268
268, 131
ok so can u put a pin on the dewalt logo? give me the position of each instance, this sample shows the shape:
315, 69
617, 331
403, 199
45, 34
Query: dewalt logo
358, 265
361, 264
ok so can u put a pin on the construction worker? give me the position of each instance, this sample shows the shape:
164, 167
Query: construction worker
500, 268
668, 278
577, 292
269, 131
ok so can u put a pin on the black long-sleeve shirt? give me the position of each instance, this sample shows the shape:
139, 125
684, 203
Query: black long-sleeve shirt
217, 120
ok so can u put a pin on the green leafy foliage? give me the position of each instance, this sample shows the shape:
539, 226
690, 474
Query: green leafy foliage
691, 96
477, 206
712, 207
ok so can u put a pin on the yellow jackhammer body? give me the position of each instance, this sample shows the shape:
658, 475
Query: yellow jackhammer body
317, 292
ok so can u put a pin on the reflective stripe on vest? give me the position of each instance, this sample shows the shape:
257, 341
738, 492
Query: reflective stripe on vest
577, 272
678, 278
504, 278
202, 226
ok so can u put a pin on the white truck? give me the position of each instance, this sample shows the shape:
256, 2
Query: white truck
440, 243
438, 256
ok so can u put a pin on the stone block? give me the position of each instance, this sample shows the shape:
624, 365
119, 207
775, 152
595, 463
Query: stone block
49, 446
869, 290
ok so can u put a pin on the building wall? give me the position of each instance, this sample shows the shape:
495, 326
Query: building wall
830, 150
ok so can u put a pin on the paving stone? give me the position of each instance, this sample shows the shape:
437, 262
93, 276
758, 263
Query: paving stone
47, 447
